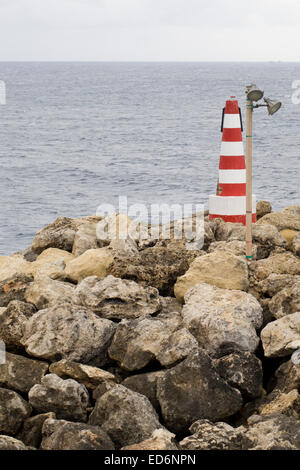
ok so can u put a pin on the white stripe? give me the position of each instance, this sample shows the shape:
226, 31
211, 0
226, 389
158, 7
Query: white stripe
230, 205
232, 149
232, 121
232, 176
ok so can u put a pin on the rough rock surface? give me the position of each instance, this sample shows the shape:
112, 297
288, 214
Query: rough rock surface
273, 433
69, 332
46, 262
146, 384
12, 320
14, 288
11, 266
117, 298
286, 301
20, 373
66, 398
31, 431
288, 377
64, 435
217, 317
13, 411
193, 390
161, 439
60, 234
282, 337
126, 416
45, 292
10, 443
236, 247
277, 282
263, 208
289, 235
281, 220
221, 269
279, 263
91, 263
85, 239
296, 244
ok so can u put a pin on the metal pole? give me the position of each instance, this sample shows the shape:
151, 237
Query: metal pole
249, 112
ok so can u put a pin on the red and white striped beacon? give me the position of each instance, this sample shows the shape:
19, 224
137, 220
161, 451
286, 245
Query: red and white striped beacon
229, 203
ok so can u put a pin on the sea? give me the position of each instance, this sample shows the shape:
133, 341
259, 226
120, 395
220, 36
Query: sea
74, 136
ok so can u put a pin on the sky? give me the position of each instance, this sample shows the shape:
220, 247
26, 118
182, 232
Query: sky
149, 30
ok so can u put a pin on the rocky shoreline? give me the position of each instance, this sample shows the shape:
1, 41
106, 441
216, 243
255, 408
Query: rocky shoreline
144, 345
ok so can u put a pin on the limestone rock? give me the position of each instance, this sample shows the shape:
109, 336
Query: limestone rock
126, 416
281, 220
13, 411
276, 282
60, 234
89, 376
214, 436
221, 269
127, 247
296, 244
94, 262
288, 377
282, 337
45, 261
20, 373
193, 390
289, 235
12, 320
14, 288
145, 384
292, 210
176, 347
286, 301
263, 208
217, 317
161, 439
45, 292
10, 443
66, 398
117, 298
31, 431
277, 432
68, 332
64, 435
283, 403
11, 266
236, 247
279, 263
85, 239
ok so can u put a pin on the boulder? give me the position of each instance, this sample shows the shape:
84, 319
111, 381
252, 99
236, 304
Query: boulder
70, 332
292, 210
282, 337
89, 376
48, 262
214, 436
45, 292
66, 398
193, 390
262, 208
11, 266
286, 301
12, 320
277, 432
14, 288
281, 403
117, 299
145, 384
13, 411
288, 377
127, 247
85, 239
10, 443
94, 262
126, 416
31, 431
236, 247
289, 235
281, 220
176, 347
279, 263
296, 244
65, 435
221, 269
218, 317
276, 282
161, 439
20, 373
60, 234
138, 342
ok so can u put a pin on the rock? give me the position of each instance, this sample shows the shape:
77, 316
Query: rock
236, 247
227, 231
292, 210
20, 373
276, 282
145, 384
64, 435
116, 298
286, 301
14, 288
283, 403
127, 247
31, 431
12, 320
13, 411
48, 261
262, 208
243, 371
218, 317
289, 235
60, 234
90, 263
277, 432
114, 227
214, 436
126, 416
282, 337
138, 342
279, 263
161, 439
170, 305
85, 239
10, 443
193, 390
157, 266
68, 332
177, 347
11, 266
66, 398
221, 269
45, 292
296, 244
89, 376
267, 238
103, 388
288, 377
281, 220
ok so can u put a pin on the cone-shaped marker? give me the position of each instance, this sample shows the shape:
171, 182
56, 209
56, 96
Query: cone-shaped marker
230, 202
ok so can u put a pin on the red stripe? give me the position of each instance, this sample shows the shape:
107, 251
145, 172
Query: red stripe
232, 107
232, 135
232, 163
234, 189
241, 219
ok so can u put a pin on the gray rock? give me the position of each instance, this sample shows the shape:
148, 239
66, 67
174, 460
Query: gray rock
14, 288
126, 416
10, 443
20, 373
60, 234
177, 347
277, 432
12, 320
288, 377
31, 431
286, 301
66, 398
69, 332
193, 390
145, 384
45, 292
116, 298
277, 282
282, 337
13, 411
64, 435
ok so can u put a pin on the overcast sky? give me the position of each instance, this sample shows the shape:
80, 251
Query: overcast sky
149, 30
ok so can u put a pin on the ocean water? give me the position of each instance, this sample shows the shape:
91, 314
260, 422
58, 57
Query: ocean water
76, 135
